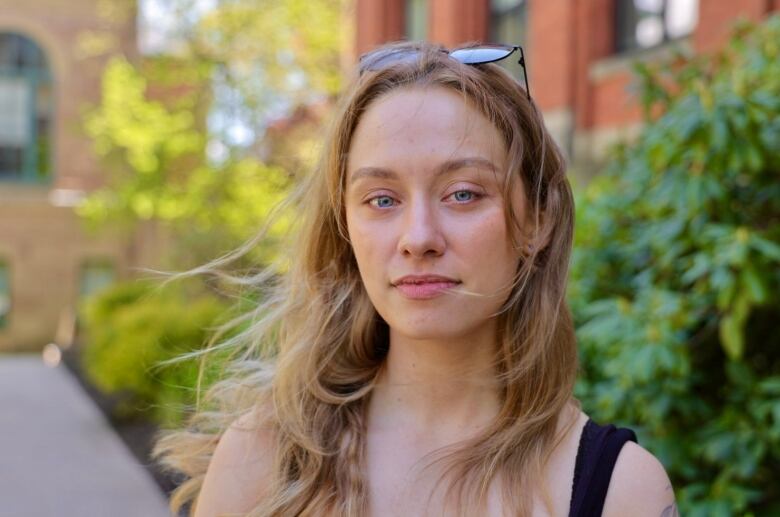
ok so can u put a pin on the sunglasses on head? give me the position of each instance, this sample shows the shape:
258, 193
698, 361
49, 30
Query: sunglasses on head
476, 55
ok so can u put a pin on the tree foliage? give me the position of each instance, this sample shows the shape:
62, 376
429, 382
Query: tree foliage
240, 64
155, 155
274, 51
132, 329
161, 118
676, 284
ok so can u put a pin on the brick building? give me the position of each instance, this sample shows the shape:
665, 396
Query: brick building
579, 52
52, 53
51, 57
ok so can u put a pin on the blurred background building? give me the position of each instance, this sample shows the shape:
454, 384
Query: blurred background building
52, 52
579, 52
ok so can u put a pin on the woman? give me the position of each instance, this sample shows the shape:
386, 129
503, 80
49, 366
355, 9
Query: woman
426, 357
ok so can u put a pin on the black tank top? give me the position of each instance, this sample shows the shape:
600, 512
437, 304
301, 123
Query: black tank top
596, 456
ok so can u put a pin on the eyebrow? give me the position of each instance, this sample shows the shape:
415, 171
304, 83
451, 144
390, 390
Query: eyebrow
444, 168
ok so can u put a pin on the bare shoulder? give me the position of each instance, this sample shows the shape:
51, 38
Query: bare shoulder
239, 469
639, 486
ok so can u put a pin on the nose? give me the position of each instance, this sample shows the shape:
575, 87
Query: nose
421, 233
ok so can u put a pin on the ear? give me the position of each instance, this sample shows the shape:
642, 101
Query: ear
536, 233
532, 233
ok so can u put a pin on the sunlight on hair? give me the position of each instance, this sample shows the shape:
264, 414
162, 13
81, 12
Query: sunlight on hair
308, 356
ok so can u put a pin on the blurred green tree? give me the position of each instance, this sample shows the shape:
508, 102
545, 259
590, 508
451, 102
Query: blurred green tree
181, 139
135, 327
181, 135
675, 278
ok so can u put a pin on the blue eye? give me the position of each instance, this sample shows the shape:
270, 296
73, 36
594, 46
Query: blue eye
471, 196
379, 204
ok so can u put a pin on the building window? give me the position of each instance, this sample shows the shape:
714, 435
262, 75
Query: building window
644, 24
416, 20
26, 106
508, 26
5, 295
96, 274
507, 21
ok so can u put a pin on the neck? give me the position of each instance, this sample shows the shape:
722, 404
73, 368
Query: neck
437, 384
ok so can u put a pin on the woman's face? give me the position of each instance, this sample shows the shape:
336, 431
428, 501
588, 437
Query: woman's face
423, 197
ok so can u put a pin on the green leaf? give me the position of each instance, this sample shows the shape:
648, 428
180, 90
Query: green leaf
770, 386
731, 337
754, 286
766, 247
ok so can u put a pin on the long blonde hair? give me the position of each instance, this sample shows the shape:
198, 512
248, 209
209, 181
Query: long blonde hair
310, 352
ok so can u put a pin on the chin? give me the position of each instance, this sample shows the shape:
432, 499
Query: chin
426, 330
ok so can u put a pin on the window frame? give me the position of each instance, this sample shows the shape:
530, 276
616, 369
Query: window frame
622, 30
424, 23
495, 13
34, 77
98, 263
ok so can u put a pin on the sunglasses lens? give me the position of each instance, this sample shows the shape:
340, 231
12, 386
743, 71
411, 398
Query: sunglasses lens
381, 59
476, 55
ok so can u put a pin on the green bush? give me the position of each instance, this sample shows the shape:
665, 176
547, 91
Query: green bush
131, 328
675, 278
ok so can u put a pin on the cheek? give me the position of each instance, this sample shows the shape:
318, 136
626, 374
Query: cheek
487, 230
488, 245
365, 246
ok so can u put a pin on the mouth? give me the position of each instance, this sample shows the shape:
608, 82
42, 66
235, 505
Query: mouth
423, 288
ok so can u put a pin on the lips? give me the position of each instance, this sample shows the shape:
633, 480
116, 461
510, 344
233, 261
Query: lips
422, 287
424, 279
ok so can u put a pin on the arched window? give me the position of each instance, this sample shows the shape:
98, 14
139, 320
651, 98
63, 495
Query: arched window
26, 104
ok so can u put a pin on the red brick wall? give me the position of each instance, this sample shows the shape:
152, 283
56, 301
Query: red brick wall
593, 37
453, 22
566, 38
570, 37
551, 48
378, 21
717, 17
611, 103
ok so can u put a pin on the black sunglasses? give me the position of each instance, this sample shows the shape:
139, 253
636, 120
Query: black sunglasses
477, 55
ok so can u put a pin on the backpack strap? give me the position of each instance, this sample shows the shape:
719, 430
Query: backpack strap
596, 456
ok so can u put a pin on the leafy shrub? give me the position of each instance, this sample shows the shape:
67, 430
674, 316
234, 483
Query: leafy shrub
676, 278
131, 328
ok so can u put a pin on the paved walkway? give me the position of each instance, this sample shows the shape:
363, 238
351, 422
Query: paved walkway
58, 455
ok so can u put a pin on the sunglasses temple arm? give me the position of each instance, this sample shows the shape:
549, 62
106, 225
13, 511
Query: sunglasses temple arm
525, 75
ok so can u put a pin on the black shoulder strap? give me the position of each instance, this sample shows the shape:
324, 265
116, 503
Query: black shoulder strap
598, 451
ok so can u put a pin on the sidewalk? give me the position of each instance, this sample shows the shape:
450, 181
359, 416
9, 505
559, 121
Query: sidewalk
58, 455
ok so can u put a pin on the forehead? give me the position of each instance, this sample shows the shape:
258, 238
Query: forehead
418, 128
